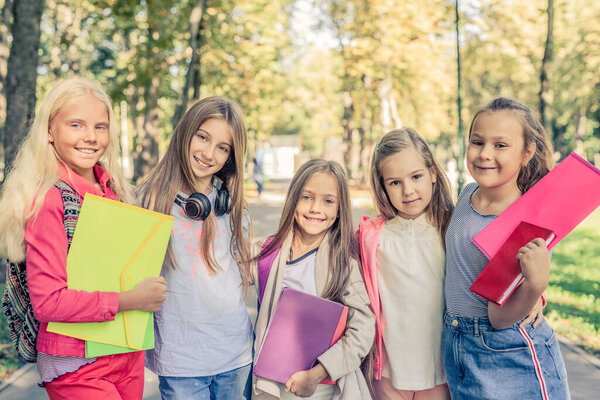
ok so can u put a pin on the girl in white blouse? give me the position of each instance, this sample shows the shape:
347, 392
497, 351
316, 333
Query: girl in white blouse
403, 260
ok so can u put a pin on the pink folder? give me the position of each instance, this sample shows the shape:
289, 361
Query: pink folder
502, 275
302, 328
558, 202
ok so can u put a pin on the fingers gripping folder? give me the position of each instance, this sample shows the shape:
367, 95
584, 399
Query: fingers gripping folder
115, 246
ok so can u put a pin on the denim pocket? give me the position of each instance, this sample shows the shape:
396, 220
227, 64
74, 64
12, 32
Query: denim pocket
554, 349
503, 340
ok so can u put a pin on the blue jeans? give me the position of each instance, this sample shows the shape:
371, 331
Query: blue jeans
484, 363
230, 385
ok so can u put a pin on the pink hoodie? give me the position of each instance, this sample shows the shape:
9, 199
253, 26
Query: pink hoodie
368, 235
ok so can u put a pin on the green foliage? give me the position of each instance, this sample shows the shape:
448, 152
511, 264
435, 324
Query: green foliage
574, 290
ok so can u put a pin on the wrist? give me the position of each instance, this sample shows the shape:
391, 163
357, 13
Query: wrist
533, 288
318, 373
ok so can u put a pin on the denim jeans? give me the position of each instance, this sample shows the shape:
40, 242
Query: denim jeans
484, 363
230, 385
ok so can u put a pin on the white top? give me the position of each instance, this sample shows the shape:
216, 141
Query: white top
299, 274
203, 326
410, 271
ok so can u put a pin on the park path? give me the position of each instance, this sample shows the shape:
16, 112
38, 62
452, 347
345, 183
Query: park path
583, 369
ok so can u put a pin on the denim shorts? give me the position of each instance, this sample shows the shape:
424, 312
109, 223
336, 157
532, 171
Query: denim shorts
484, 363
230, 385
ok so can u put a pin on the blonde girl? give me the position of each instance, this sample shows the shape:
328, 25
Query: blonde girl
317, 254
487, 353
72, 148
403, 264
203, 335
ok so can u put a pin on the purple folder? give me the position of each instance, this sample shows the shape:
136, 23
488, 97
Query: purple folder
302, 328
558, 202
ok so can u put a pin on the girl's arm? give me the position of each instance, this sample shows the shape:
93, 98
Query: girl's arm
346, 354
535, 265
50, 297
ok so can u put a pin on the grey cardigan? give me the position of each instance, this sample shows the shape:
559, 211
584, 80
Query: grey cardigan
342, 361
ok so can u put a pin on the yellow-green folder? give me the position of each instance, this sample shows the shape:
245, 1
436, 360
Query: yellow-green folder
115, 246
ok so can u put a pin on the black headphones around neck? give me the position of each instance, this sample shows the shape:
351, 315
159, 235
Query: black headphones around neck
197, 206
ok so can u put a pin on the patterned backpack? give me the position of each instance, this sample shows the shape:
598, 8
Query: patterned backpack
22, 324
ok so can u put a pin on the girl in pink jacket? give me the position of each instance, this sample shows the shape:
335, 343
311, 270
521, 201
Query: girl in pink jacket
72, 149
403, 259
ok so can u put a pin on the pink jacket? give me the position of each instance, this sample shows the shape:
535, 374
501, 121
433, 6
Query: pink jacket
51, 299
369, 233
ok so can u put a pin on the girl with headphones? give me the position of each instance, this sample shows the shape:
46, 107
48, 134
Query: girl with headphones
203, 335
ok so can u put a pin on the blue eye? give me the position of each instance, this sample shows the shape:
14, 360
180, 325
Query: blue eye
329, 201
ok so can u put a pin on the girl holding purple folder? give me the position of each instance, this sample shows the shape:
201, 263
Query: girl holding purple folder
317, 254
493, 352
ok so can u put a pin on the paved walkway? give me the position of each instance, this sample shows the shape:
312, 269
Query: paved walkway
583, 369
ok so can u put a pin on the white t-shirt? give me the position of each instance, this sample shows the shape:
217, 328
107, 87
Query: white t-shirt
299, 274
410, 270
203, 327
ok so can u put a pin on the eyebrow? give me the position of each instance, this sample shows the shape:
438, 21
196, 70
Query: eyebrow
210, 134
393, 178
493, 137
324, 194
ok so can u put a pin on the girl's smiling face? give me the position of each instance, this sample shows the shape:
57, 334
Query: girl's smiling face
408, 182
210, 149
496, 150
318, 205
80, 134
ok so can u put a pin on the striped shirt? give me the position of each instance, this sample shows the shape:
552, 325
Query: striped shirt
464, 261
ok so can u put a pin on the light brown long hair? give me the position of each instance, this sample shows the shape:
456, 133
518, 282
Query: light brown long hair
342, 244
174, 172
440, 208
533, 133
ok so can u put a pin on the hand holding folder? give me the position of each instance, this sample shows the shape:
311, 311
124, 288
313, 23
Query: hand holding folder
502, 275
115, 246
301, 329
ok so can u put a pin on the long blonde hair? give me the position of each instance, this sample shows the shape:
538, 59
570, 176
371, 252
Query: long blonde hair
174, 172
36, 166
439, 209
533, 133
342, 244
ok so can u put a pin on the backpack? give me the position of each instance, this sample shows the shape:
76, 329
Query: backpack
264, 268
22, 324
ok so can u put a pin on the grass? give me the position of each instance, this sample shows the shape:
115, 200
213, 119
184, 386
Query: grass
574, 291
9, 362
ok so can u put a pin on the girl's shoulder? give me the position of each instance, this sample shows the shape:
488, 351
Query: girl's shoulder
368, 223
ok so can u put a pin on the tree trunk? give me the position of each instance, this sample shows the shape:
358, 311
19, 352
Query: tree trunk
546, 74
4, 51
193, 75
580, 119
348, 125
21, 76
145, 155
389, 110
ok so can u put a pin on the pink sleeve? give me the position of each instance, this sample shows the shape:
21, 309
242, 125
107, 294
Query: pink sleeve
544, 301
51, 299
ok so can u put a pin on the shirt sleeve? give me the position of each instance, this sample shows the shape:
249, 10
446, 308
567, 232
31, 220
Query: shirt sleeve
347, 353
51, 299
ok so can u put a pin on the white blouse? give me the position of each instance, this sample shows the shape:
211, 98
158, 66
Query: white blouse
410, 270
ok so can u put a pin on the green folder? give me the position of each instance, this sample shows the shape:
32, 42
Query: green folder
115, 246
95, 349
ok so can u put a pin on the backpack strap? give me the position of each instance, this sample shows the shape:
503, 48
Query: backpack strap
72, 207
264, 267
16, 303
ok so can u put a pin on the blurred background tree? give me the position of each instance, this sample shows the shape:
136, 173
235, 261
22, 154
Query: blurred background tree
334, 74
